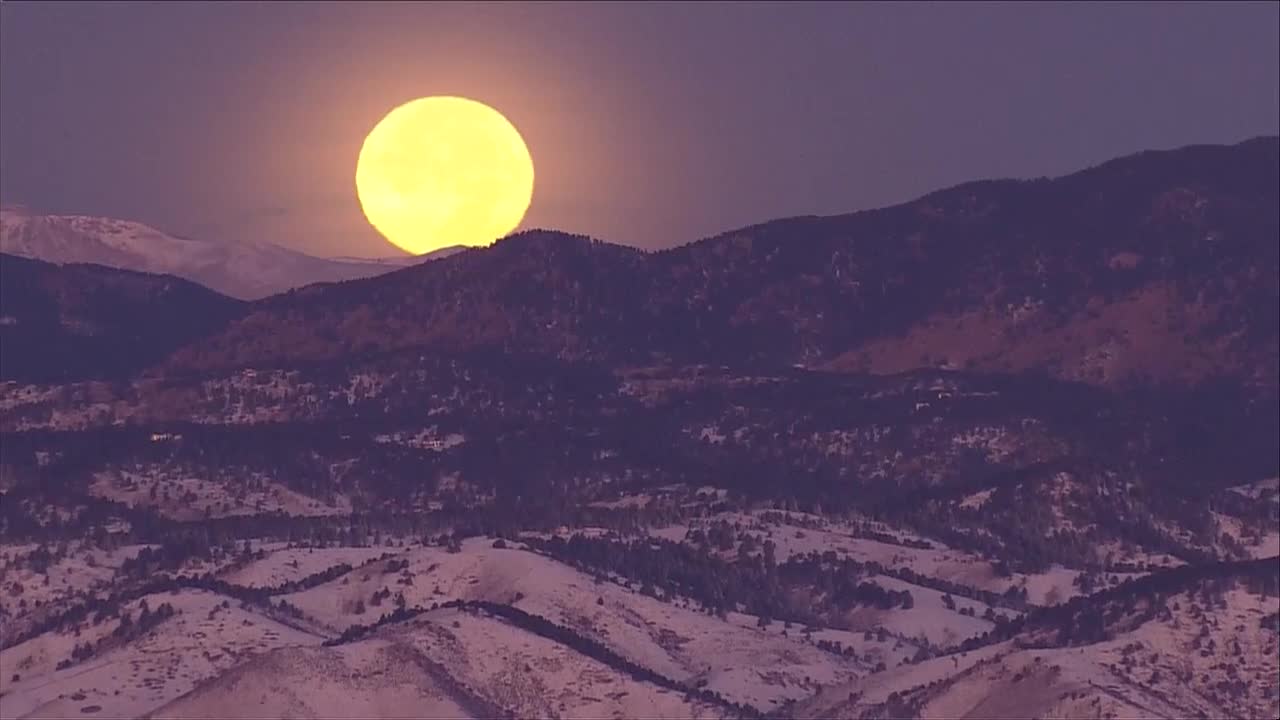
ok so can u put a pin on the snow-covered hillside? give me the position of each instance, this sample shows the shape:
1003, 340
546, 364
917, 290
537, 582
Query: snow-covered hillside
1202, 654
241, 269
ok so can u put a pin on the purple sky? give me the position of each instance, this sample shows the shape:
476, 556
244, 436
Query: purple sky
650, 124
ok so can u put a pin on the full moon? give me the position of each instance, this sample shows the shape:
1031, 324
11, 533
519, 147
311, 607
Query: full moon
442, 171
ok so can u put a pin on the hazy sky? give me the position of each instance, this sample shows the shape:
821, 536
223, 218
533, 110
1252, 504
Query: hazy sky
649, 124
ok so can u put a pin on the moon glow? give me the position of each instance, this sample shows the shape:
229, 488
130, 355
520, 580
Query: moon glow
442, 171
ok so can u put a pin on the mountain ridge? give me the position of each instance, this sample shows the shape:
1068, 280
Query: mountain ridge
244, 269
74, 321
1157, 266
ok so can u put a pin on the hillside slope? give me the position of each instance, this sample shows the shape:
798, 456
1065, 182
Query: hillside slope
1194, 642
86, 321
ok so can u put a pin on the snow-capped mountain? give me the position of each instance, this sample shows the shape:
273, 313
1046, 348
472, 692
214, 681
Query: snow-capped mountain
243, 269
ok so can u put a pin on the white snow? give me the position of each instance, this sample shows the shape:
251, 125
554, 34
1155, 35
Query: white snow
197, 643
186, 497
83, 569
678, 642
284, 565
243, 268
929, 619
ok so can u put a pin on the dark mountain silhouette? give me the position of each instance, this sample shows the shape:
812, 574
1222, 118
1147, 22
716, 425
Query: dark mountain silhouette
67, 322
1160, 266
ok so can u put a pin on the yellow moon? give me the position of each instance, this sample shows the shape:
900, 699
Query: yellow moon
441, 171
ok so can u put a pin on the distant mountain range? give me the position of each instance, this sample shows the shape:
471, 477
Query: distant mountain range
243, 269
1160, 266
1153, 268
